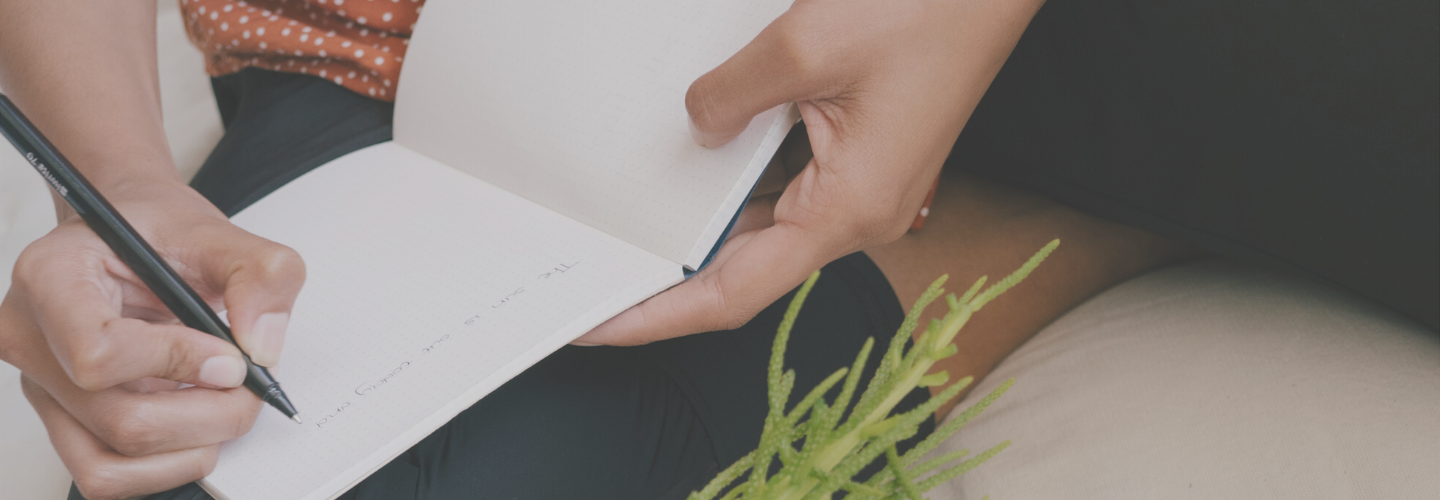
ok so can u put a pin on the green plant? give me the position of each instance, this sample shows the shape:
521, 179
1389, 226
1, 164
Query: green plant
821, 454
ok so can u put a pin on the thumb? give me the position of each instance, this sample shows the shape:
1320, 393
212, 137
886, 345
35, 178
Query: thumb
752, 270
771, 70
260, 280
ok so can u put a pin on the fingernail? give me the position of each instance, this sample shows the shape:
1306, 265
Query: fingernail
705, 139
268, 337
222, 371
695, 133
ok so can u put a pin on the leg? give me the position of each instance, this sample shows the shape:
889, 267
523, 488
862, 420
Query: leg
279, 126
978, 228
656, 421
649, 422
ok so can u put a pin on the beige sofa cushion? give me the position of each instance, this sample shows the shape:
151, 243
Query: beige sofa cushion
1214, 380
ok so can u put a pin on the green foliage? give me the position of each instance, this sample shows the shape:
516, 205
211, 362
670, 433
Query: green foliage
821, 449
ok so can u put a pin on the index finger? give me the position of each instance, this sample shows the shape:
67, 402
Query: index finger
76, 302
788, 61
100, 472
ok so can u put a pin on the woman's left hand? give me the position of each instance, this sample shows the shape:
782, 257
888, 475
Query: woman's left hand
884, 89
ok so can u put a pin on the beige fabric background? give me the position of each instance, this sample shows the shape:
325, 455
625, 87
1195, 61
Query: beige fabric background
1214, 380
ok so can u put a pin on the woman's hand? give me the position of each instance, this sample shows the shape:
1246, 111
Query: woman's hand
884, 89
103, 360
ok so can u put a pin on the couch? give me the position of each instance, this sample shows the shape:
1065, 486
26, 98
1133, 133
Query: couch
1211, 379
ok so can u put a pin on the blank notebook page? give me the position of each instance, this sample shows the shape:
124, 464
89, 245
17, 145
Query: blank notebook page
426, 289
580, 106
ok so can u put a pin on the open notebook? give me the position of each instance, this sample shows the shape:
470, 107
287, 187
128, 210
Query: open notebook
542, 180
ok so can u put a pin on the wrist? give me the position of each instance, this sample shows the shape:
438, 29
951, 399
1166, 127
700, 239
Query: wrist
144, 198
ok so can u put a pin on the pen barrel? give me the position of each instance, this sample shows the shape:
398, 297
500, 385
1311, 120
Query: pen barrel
108, 224
133, 250
42, 156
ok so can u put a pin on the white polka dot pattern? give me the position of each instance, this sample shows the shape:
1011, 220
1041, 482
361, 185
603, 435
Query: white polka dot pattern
358, 44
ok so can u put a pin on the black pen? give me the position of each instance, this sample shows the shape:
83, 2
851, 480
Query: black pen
129, 246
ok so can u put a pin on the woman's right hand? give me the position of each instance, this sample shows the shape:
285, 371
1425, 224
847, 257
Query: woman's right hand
103, 361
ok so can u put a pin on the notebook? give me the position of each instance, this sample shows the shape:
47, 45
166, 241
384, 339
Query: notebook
542, 180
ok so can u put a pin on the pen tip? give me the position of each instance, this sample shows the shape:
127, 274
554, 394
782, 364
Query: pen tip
297, 419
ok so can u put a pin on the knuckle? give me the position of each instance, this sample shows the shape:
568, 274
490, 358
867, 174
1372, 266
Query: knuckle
88, 380
39, 251
242, 421
280, 262
54, 252
128, 428
7, 347
734, 320
205, 464
181, 359
32, 390
31, 264
100, 482
646, 335
797, 47
26, 264
87, 365
728, 315
10, 346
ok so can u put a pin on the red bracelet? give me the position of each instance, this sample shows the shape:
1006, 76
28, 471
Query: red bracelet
925, 208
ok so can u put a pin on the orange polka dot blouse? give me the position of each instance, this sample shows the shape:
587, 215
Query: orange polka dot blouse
358, 44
